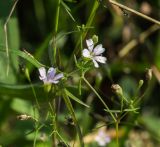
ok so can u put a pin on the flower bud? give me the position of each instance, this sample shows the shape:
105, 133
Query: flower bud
149, 74
140, 83
83, 27
95, 39
117, 89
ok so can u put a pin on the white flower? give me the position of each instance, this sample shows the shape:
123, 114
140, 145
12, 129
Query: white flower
94, 53
50, 76
102, 138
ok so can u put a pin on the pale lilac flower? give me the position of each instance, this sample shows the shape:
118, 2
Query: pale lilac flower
95, 54
50, 76
102, 138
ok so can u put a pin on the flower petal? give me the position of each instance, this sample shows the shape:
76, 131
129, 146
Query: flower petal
58, 76
86, 53
100, 59
95, 63
51, 73
90, 44
98, 50
42, 72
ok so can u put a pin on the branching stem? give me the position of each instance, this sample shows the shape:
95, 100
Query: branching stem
89, 85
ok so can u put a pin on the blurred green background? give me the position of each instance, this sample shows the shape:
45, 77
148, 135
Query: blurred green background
31, 28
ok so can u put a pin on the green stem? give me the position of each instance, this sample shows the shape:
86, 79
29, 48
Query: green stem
55, 30
117, 134
135, 102
84, 33
36, 133
57, 16
61, 138
85, 80
6, 35
53, 111
32, 87
121, 104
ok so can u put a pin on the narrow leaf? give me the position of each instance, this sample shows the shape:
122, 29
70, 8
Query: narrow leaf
68, 10
69, 94
25, 55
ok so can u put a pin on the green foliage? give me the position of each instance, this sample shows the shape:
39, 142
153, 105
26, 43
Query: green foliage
53, 33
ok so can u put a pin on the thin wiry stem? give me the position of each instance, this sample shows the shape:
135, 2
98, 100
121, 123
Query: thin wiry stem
57, 16
6, 36
135, 12
60, 137
84, 33
53, 111
32, 87
99, 98
55, 31
36, 134
117, 134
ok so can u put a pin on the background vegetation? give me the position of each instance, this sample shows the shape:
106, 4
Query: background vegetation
132, 45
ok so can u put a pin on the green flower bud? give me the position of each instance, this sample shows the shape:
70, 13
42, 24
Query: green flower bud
95, 39
83, 27
140, 83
